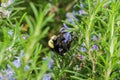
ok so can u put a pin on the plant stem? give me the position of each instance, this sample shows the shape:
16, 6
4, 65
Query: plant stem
87, 38
111, 49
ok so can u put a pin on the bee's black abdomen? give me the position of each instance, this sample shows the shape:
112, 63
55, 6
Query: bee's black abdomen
61, 46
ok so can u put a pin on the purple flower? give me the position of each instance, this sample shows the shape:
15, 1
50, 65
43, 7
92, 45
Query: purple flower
1, 76
81, 5
50, 62
65, 27
81, 12
83, 49
70, 15
17, 62
81, 57
21, 53
9, 73
47, 76
71, 21
10, 32
94, 47
66, 34
94, 38
71, 18
67, 37
26, 68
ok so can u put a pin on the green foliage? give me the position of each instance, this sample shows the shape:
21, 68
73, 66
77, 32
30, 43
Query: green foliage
94, 52
29, 43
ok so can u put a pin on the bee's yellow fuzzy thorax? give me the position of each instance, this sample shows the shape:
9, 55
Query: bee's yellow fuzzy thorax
50, 42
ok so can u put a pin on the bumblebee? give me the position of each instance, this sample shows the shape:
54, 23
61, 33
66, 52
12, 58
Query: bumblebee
60, 43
